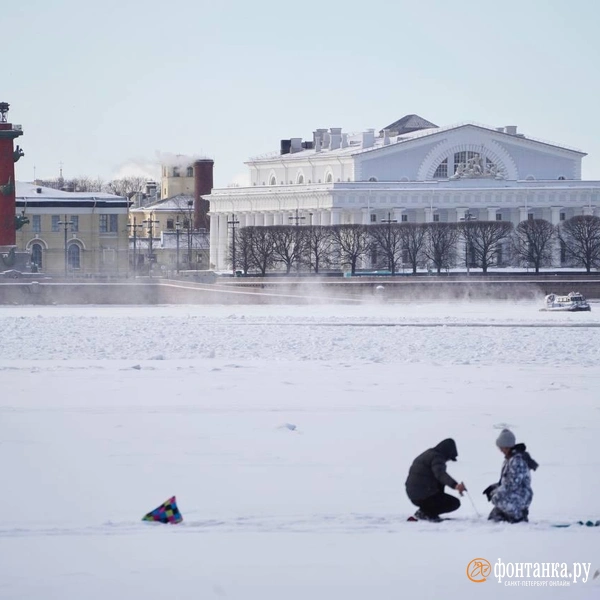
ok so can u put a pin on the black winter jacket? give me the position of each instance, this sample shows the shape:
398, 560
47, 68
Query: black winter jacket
427, 475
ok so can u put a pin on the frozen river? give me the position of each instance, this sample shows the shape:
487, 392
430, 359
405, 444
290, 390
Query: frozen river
286, 434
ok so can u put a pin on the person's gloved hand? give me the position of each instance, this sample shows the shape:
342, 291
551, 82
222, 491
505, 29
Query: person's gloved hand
489, 491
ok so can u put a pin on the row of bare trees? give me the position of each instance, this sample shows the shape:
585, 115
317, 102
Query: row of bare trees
390, 246
125, 186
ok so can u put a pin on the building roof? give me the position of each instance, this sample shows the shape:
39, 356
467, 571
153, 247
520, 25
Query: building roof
30, 194
408, 124
355, 143
178, 203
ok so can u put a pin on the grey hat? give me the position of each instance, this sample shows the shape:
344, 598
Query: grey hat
506, 439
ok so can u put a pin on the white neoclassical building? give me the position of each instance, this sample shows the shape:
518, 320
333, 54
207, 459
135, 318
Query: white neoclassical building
410, 171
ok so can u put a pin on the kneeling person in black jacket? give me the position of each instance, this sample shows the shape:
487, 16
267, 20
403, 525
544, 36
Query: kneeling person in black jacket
426, 480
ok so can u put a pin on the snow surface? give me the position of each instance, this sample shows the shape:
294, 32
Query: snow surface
286, 434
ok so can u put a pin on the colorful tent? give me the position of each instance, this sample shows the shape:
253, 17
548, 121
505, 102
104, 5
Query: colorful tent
167, 512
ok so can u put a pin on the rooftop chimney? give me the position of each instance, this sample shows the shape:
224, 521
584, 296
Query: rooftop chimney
203, 185
344, 140
336, 137
368, 138
386, 137
296, 145
511, 129
285, 146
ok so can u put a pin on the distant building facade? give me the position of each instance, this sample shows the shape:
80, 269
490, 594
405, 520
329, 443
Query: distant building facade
96, 231
411, 171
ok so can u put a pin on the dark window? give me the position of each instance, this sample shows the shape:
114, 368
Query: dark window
175, 171
114, 223
170, 224
73, 256
74, 223
498, 216
442, 171
36, 224
36, 255
404, 218
190, 171
530, 217
373, 218
563, 216
436, 218
103, 224
55, 225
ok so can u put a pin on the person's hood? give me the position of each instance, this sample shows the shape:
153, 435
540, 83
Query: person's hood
447, 448
522, 449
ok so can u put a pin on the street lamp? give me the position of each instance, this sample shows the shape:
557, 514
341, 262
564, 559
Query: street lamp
135, 226
150, 225
297, 220
467, 218
177, 232
389, 222
66, 223
232, 224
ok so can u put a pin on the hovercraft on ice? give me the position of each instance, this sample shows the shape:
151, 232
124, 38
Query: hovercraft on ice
573, 302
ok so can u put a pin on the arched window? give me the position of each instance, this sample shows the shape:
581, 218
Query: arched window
329, 178
73, 256
562, 178
300, 179
190, 172
372, 178
273, 180
36, 255
442, 170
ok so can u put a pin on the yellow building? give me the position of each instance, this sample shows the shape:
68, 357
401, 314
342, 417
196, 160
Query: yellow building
177, 180
77, 233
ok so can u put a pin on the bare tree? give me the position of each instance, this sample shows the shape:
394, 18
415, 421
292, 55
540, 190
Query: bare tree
243, 249
581, 239
352, 242
440, 245
389, 238
126, 186
532, 242
261, 248
287, 245
414, 236
318, 243
483, 239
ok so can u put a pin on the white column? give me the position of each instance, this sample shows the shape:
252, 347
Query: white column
555, 210
523, 212
460, 214
325, 217
366, 217
222, 242
428, 215
259, 219
491, 213
335, 216
214, 232
269, 218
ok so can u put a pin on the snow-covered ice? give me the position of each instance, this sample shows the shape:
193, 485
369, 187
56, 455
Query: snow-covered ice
286, 434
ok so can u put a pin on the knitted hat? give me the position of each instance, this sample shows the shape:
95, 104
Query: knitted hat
506, 439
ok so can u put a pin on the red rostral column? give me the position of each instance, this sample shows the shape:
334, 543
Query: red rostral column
8, 157
203, 185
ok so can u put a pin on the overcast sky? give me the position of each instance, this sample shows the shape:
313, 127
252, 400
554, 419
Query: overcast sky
106, 87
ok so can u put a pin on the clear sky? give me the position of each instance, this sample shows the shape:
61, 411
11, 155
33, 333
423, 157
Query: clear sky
107, 87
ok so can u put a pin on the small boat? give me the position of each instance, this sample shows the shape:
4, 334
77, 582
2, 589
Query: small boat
573, 302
